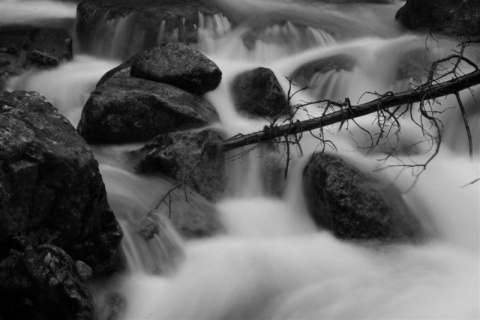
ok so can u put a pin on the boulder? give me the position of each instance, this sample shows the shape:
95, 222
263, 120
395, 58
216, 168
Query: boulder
258, 93
355, 205
105, 26
451, 17
176, 154
22, 47
51, 190
178, 65
43, 283
127, 109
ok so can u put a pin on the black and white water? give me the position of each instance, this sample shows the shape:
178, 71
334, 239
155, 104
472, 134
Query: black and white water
272, 262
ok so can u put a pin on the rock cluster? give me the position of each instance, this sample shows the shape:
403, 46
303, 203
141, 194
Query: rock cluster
127, 106
22, 47
56, 228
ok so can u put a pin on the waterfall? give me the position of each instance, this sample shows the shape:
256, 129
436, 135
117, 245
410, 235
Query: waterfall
271, 261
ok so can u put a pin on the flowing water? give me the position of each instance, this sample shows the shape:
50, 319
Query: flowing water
272, 262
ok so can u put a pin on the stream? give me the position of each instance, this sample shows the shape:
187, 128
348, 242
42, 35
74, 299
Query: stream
272, 262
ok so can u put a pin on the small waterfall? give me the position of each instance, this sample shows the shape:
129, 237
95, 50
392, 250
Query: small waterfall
66, 87
122, 37
211, 29
151, 244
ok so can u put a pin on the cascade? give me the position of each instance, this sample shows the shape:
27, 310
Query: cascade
272, 262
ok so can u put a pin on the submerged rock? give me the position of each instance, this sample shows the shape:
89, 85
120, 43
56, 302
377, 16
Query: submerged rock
51, 191
354, 205
126, 109
444, 16
43, 283
257, 92
178, 65
184, 154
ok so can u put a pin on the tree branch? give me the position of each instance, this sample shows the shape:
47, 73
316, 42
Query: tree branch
428, 91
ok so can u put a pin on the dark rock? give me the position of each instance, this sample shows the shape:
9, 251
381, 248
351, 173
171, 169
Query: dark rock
22, 47
258, 93
176, 154
42, 283
445, 16
10, 65
125, 109
142, 24
178, 65
24, 40
84, 271
51, 191
354, 205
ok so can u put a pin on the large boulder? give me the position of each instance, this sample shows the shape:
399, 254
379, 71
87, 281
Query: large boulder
22, 47
355, 205
51, 191
446, 16
105, 26
44, 283
182, 155
127, 109
178, 65
258, 93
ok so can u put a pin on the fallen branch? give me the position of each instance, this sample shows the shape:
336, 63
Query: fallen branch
421, 94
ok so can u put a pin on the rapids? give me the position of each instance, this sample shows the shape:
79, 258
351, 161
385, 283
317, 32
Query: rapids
272, 262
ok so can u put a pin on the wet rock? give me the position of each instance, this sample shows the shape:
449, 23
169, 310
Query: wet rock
258, 93
178, 65
51, 191
42, 283
149, 228
184, 154
354, 205
143, 24
125, 109
445, 16
22, 47
84, 271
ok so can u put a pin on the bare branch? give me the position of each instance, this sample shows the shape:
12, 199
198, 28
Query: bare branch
427, 92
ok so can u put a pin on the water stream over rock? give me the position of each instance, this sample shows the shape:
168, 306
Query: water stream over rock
271, 261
